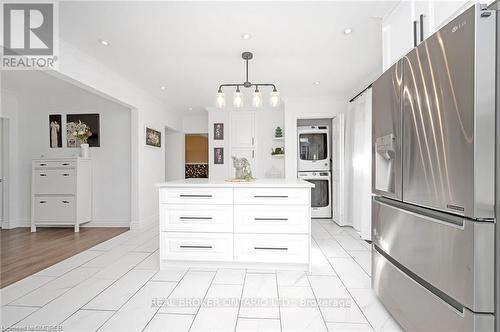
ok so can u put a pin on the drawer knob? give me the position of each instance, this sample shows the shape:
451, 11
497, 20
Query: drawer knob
195, 196
43, 174
65, 202
43, 164
271, 248
65, 174
43, 202
271, 196
65, 164
195, 218
270, 219
195, 247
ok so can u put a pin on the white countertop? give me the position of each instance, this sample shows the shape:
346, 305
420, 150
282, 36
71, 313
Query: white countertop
262, 183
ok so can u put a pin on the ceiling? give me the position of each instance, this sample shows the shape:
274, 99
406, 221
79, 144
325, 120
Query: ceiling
192, 47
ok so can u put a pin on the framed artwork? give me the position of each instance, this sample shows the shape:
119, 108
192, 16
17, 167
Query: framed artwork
218, 131
218, 156
55, 130
153, 137
91, 120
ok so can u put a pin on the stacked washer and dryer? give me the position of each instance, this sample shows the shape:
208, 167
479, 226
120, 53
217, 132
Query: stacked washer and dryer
314, 165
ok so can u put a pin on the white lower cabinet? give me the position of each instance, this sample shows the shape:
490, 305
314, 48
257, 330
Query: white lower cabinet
271, 248
197, 246
235, 225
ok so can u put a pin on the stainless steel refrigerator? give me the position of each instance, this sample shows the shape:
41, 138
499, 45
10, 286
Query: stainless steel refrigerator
433, 208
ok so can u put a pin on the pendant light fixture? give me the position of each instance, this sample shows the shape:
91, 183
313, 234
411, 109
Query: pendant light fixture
274, 96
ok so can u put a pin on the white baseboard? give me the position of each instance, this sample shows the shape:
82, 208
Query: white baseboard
145, 222
93, 223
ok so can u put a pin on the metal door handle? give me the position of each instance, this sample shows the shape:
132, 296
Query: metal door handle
271, 248
195, 247
253, 154
270, 219
195, 218
253, 140
415, 33
421, 27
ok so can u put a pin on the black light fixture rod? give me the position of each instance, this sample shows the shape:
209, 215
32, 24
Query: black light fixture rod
237, 85
246, 60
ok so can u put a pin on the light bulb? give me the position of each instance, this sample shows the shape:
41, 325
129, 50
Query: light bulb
220, 100
257, 99
237, 99
274, 98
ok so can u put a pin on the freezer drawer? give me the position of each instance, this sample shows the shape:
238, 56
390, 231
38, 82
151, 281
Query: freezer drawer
453, 254
449, 118
416, 308
387, 135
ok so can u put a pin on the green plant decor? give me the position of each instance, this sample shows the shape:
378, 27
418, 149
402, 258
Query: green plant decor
278, 132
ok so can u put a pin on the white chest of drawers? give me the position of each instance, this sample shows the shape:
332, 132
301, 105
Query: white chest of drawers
61, 192
261, 224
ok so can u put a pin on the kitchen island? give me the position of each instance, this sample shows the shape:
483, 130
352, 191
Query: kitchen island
260, 224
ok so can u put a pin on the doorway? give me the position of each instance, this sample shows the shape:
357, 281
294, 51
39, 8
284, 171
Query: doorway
196, 156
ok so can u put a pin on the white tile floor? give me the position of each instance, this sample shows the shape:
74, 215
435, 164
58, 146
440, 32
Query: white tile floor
117, 286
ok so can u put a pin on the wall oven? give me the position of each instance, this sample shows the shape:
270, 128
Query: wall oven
321, 198
313, 148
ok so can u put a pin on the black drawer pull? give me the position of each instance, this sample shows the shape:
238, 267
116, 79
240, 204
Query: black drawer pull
271, 196
271, 248
195, 247
65, 202
195, 218
43, 202
270, 219
43, 174
65, 174
195, 196
43, 164
65, 164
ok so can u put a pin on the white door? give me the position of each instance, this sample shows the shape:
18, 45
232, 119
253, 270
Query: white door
338, 169
247, 153
242, 129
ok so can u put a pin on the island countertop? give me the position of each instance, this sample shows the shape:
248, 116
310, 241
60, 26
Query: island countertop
258, 183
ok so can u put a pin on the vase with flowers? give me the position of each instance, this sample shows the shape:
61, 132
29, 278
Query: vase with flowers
81, 132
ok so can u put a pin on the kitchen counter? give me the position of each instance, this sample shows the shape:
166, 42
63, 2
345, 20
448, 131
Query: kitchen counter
259, 224
264, 183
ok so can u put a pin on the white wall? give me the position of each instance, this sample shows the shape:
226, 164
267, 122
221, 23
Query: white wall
174, 155
195, 123
306, 108
42, 95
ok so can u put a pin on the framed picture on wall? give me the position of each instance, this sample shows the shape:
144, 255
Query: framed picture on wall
153, 137
55, 130
218, 131
91, 120
218, 156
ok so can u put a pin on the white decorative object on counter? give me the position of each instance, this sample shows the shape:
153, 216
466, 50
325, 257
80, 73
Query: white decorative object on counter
84, 151
258, 224
61, 192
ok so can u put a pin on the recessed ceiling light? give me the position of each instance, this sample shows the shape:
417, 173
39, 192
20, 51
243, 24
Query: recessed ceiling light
347, 31
316, 82
190, 108
163, 88
246, 36
104, 42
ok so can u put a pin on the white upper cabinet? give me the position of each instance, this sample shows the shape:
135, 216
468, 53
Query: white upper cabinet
397, 33
401, 28
242, 129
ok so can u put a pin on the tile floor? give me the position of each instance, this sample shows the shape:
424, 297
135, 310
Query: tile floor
117, 286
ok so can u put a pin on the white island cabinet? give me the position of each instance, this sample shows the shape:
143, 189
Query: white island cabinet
261, 224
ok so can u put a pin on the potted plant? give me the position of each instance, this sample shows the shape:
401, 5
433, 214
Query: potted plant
82, 132
278, 132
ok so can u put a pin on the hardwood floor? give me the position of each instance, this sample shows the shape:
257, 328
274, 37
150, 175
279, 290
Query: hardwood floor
24, 253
